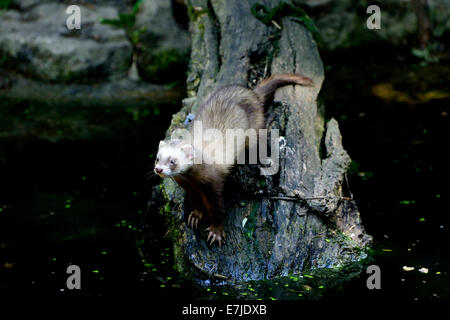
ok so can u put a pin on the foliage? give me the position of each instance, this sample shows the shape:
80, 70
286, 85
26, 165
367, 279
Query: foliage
4, 4
125, 21
195, 13
285, 10
425, 55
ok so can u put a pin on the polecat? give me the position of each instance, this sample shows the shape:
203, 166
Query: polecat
227, 107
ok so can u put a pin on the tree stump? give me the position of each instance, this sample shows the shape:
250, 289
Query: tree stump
301, 218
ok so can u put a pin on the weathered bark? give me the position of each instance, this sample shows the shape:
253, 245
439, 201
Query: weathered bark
276, 225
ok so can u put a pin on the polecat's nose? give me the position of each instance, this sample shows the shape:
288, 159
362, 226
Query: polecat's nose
158, 170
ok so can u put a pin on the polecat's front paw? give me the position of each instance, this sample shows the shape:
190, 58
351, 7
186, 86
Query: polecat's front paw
216, 234
194, 218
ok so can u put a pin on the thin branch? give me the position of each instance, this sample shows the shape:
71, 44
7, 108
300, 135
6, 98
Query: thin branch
305, 199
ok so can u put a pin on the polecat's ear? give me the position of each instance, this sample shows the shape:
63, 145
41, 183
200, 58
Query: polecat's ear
161, 144
188, 151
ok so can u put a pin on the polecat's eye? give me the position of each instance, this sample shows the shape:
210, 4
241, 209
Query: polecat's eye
173, 161
157, 159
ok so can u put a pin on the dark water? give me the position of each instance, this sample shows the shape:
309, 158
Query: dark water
400, 171
83, 201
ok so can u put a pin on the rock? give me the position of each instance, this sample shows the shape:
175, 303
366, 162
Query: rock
342, 24
119, 4
311, 3
109, 111
119, 93
163, 45
37, 43
26, 4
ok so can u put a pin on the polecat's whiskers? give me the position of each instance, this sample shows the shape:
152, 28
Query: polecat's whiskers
149, 175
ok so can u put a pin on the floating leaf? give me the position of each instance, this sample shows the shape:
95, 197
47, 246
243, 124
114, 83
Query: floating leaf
423, 270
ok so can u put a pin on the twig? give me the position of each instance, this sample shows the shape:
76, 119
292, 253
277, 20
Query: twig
305, 199
348, 188
295, 198
276, 24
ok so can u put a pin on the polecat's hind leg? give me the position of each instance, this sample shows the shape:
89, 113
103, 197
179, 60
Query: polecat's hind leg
214, 205
216, 233
194, 218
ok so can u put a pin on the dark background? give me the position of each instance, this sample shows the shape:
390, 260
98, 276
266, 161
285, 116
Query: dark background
83, 201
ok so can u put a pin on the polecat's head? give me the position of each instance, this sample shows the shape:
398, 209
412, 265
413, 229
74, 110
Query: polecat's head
174, 157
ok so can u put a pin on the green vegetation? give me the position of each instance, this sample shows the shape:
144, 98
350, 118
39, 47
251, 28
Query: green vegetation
170, 222
125, 21
308, 286
283, 9
425, 55
4, 4
195, 13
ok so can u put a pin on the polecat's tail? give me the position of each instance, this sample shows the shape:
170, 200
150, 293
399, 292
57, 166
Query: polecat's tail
266, 89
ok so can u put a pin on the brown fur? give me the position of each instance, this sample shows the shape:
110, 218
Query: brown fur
266, 89
228, 107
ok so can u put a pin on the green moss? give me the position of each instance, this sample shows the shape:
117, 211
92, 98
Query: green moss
169, 219
178, 119
195, 13
201, 27
167, 208
347, 242
251, 222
